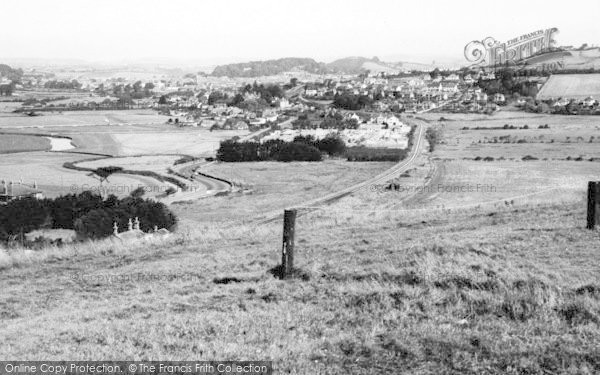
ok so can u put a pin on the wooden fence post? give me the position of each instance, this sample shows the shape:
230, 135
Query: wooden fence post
593, 211
287, 251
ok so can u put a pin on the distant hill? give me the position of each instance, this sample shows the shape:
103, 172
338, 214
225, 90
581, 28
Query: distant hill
269, 67
348, 65
351, 65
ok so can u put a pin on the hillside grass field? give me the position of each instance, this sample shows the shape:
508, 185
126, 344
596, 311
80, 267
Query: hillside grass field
273, 186
507, 291
575, 86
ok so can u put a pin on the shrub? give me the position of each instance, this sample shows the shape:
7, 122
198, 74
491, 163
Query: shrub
22, 216
185, 159
98, 223
433, 137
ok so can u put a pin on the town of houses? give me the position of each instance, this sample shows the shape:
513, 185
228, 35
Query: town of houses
187, 99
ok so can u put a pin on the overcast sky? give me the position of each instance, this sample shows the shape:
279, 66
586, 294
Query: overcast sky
239, 30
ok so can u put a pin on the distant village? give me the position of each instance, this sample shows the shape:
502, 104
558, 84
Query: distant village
201, 100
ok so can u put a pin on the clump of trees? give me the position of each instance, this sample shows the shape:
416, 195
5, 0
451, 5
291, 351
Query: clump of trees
14, 75
332, 144
352, 102
90, 215
63, 85
268, 93
271, 150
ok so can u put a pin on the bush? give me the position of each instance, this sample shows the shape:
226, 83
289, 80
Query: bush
22, 216
185, 159
433, 137
99, 223
529, 157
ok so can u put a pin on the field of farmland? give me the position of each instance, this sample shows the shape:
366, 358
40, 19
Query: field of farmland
468, 184
81, 118
112, 133
571, 86
45, 168
472, 136
6, 108
200, 142
274, 186
10, 143
117, 133
158, 163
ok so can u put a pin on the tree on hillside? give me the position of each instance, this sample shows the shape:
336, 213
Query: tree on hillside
103, 173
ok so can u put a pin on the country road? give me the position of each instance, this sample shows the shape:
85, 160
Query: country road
383, 177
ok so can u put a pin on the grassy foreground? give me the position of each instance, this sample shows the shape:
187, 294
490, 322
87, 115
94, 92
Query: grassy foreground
515, 291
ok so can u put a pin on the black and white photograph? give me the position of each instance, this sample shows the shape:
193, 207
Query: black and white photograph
314, 187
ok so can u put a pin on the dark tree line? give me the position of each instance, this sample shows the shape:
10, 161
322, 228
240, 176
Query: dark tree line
332, 144
267, 93
272, 150
88, 214
352, 102
63, 85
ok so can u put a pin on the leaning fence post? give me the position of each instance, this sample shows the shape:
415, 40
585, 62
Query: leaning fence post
593, 212
287, 251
